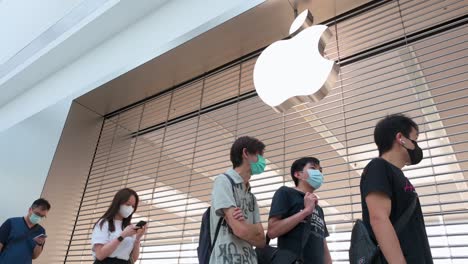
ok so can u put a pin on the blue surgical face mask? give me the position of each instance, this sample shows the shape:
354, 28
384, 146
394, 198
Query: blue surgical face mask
259, 166
315, 178
35, 219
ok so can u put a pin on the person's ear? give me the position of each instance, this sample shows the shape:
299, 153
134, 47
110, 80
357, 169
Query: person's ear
400, 138
245, 153
298, 175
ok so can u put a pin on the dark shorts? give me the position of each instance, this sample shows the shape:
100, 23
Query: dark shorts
112, 261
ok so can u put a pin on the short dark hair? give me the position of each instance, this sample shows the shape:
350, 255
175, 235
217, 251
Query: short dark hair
42, 203
252, 145
298, 165
387, 128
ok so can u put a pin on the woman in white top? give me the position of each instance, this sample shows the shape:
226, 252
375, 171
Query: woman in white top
115, 240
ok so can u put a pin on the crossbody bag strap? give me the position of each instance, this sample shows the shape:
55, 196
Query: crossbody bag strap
305, 238
405, 217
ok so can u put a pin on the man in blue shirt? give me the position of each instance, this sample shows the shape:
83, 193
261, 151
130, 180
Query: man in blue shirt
22, 238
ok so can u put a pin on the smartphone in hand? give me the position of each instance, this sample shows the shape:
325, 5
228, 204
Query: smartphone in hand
41, 235
140, 224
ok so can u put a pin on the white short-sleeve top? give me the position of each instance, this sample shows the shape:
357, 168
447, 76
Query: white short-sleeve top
103, 236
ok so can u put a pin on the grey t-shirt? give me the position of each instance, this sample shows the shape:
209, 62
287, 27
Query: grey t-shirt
229, 248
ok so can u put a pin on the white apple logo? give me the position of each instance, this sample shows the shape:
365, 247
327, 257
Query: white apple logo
294, 71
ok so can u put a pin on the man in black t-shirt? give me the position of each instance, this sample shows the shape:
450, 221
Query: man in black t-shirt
296, 210
386, 193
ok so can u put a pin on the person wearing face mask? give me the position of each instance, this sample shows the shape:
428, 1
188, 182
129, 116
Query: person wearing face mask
386, 193
115, 240
295, 211
22, 239
236, 207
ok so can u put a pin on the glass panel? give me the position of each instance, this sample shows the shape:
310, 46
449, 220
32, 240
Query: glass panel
184, 138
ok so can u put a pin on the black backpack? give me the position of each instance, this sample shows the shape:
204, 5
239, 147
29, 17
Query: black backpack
275, 255
363, 249
205, 246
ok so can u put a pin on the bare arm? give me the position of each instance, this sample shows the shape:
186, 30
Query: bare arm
326, 253
136, 250
105, 250
278, 227
252, 233
40, 241
37, 251
136, 246
380, 206
1, 247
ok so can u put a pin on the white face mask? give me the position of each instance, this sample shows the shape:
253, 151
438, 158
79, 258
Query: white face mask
125, 210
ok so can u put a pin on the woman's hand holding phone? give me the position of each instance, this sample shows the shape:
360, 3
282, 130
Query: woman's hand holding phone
141, 231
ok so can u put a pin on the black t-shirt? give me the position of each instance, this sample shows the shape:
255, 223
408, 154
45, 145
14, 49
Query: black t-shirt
287, 202
382, 176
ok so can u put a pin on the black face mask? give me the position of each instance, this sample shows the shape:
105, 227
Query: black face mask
416, 154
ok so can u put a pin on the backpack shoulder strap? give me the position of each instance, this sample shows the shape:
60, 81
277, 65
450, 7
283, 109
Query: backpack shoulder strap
218, 226
220, 221
233, 184
230, 179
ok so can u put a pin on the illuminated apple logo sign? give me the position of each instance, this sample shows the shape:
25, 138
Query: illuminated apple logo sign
294, 71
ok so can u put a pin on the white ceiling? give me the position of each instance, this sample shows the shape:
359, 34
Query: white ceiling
83, 26
23, 21
109, 42
233, 39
